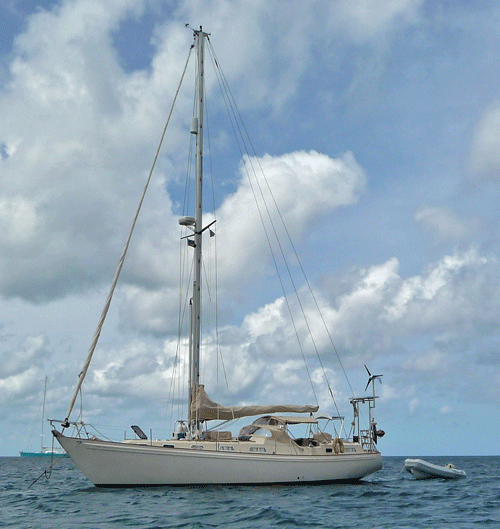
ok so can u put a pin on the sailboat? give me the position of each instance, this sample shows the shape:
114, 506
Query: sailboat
45, 451
263, 452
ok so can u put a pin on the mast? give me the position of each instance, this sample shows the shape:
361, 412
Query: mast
43, 414
197, 129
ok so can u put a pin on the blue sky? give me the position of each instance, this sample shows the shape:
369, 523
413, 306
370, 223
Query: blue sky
378, 122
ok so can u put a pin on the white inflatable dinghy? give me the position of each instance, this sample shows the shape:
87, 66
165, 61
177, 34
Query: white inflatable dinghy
424, 470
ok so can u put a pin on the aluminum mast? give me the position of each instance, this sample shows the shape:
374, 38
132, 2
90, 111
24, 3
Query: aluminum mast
197, 129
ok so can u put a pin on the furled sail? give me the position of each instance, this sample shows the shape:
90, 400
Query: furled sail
203, 408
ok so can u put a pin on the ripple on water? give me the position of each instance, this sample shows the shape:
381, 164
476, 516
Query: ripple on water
386, 499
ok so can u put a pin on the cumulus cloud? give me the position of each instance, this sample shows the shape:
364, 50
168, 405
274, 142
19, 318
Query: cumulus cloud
21, 369
16, 386
78, 138
140, 369
28, 356
367, 320
55, 189
77, 131
446, 294
304, 185
293, 34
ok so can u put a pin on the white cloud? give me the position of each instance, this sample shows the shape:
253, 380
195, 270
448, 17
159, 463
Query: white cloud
136, 370
429, 361
18, 222
320, 184
19, 384
485, 157
414, 405
388, 392
446, 293
79, 136
443, 224
71, 109
355, 323
27, 357
368, 20
305, 186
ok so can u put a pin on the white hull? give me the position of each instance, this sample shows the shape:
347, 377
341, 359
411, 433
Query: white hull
111, 464
424, 470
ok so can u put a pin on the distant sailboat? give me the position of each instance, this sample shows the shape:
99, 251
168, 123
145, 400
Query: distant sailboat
264, 452
45, 451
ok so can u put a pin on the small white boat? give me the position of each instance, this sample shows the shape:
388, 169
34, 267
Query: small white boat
424, 470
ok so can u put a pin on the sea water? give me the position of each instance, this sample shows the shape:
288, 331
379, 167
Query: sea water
389, 498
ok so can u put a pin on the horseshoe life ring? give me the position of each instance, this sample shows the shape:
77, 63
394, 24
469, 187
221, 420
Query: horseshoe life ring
338, 445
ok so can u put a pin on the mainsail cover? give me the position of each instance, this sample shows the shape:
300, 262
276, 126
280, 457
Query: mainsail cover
203, 408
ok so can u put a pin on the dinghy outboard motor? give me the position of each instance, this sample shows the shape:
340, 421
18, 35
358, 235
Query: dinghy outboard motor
376, 433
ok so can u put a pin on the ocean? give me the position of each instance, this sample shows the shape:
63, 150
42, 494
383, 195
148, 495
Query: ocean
389, 498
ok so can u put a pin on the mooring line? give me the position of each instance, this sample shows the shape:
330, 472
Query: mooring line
47, 472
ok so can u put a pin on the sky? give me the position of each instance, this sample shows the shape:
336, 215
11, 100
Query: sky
377, 124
